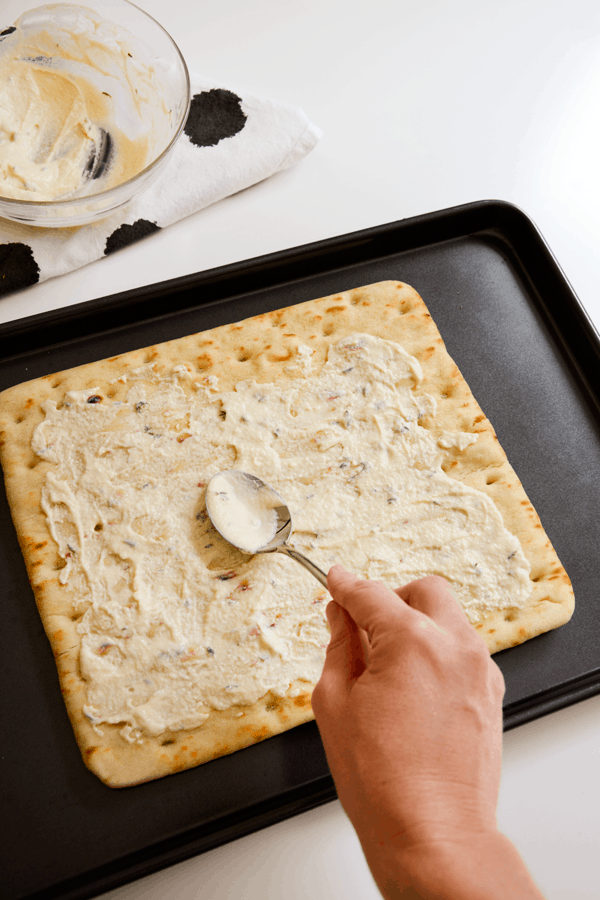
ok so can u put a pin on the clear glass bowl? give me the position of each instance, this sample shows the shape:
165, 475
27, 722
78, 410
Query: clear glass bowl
169, 117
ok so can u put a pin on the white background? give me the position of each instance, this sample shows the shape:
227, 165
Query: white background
423, 106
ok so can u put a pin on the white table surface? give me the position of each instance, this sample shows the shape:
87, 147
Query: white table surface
423, 106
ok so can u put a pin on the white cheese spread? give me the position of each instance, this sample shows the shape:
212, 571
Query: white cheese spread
176, 623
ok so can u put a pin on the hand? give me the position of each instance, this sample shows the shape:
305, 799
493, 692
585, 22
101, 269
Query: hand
409, 707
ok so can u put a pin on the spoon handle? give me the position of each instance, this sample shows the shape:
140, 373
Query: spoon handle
314, 570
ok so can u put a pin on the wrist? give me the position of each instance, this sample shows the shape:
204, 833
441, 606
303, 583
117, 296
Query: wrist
479, 867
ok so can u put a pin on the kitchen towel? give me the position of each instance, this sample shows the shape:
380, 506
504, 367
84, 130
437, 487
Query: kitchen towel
230, 142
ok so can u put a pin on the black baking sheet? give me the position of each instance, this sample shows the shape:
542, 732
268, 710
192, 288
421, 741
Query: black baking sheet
529, 353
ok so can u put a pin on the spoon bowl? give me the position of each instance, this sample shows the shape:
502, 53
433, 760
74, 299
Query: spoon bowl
251, 516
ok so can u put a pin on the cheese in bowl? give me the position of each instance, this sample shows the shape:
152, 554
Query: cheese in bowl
92, 101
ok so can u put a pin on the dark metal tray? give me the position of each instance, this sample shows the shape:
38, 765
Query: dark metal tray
532, 358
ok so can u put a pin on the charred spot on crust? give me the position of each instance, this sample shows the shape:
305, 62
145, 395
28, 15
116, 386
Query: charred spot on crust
261, 733
302, 700
280, 357
204, 361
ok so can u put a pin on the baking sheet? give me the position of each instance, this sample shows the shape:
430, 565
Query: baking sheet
531, 357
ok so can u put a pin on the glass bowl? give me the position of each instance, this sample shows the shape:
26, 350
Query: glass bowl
160, 105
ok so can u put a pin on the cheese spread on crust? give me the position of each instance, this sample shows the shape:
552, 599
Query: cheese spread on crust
175, 622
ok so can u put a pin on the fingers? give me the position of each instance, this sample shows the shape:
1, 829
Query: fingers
434, 597
345, 658
370, 603
346, 649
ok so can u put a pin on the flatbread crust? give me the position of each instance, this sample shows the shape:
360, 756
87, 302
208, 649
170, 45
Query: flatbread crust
263, 348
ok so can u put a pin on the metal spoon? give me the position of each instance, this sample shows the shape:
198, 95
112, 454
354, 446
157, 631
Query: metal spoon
246, 511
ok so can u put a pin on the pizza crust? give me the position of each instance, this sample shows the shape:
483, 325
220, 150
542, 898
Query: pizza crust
264, 348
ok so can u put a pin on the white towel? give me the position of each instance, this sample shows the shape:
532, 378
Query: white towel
230, 142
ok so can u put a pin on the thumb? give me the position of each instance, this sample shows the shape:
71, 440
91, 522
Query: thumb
344, 660
370, 604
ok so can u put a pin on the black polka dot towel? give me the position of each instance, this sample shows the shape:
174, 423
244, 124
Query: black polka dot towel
230, 143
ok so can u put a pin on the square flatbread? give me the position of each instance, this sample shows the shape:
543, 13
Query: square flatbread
281, 349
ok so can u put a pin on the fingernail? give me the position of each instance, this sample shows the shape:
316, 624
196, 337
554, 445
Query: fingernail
338, 569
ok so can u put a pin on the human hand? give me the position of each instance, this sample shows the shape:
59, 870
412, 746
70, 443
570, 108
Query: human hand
409, 707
